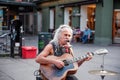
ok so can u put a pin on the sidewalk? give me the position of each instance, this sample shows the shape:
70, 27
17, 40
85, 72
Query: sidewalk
23, 69
17, 69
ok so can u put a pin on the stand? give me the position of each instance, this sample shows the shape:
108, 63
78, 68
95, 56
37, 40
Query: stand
102, 72
102, 67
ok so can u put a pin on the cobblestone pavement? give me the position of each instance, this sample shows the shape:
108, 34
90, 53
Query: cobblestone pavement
23, 69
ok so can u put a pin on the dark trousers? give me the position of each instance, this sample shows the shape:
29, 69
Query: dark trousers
71, 77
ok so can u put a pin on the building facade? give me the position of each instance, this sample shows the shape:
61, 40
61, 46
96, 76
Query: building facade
25, 9
102, 16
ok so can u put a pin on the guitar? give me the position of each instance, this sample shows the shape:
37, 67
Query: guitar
51, 72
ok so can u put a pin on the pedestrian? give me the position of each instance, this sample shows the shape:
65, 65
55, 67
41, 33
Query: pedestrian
86, 35
16, 24
52, 59
76, 34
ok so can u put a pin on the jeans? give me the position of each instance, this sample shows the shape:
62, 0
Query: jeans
84, 38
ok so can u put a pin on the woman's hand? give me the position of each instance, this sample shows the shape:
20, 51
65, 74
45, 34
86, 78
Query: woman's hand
59, 64
89, 57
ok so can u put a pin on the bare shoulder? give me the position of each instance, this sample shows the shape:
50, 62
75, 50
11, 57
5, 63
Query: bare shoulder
48, 47
47, 50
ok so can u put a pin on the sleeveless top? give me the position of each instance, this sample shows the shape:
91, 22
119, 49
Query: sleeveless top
58, 50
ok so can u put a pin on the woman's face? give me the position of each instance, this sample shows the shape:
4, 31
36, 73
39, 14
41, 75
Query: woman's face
65, 36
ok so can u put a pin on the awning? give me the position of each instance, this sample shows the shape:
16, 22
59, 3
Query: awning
19, 6
41, 1
13, 3
82, 2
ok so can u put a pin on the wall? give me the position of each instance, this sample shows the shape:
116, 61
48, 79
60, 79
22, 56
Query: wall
103, 26
83, 17
59, 16
45, 19
76, 19
51, 19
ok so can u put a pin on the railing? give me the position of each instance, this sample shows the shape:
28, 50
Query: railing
4, 41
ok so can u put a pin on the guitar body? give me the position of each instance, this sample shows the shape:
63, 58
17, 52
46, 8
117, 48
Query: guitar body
50, 72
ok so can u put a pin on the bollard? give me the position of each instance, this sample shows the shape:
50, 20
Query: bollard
23, 41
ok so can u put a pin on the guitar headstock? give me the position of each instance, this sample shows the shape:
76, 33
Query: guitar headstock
101, 52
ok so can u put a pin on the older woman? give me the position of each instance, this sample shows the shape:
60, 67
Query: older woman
59, 46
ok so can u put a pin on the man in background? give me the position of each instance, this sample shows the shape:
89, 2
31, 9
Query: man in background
86, 35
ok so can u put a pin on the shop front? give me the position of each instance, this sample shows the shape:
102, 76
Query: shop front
102, 16
10, 9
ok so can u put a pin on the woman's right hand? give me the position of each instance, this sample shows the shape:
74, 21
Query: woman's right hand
59, 64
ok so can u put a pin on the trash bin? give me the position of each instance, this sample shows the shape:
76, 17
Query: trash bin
43, 40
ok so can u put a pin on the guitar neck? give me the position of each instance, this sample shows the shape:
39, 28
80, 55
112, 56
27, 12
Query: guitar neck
67, 62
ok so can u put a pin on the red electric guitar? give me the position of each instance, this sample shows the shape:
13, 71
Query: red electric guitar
51, 72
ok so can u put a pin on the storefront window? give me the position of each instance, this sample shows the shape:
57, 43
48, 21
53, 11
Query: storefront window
117, 22
91, 16
116, 26
1, 18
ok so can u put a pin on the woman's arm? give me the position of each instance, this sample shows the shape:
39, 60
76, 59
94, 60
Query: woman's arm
43, 59
86, 59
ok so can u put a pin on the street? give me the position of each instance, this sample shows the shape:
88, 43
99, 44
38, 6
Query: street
23, 69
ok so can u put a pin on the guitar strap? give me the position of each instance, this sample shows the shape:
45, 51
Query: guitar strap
58, 51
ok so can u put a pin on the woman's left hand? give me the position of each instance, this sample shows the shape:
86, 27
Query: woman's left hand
89, 57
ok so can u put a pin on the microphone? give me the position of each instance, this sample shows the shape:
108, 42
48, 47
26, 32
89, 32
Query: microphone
67, 40
68, 43
67, 46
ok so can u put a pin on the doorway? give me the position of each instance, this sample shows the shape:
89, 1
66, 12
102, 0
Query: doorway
116, 26
88, 16
91, 16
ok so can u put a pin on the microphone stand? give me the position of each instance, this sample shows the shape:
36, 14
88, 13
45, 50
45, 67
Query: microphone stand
102, 67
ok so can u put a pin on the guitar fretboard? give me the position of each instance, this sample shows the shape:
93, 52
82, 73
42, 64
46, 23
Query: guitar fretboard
77, 59
70, 61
